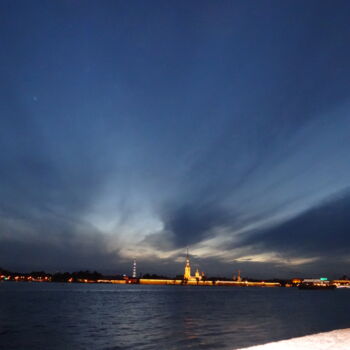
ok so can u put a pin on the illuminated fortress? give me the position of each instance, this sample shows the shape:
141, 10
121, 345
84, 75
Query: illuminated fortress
196, 280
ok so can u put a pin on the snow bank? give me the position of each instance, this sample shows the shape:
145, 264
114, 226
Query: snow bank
339, 340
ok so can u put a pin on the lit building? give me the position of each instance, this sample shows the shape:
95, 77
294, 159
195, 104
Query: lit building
197, 275
187, 273
237, 278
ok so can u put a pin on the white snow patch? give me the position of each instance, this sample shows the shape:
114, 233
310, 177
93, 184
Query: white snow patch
339, 340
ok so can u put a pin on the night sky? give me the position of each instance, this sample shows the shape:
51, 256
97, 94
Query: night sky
139, 128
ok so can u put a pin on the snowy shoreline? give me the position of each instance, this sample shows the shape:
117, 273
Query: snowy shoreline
338, 339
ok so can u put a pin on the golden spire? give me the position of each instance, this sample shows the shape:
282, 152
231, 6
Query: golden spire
187, 274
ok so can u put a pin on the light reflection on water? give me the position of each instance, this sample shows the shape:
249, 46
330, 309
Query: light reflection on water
85, 316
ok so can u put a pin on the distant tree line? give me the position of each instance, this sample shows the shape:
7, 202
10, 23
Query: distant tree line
76, 276
62, 276
155, 276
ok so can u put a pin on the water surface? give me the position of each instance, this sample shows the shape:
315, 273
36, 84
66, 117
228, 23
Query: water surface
90, 316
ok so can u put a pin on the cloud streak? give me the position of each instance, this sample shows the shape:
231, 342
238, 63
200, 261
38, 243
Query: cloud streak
320, 231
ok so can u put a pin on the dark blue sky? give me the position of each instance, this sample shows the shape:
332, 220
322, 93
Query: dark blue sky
136, 129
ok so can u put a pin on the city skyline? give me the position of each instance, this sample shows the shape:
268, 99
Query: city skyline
133, 130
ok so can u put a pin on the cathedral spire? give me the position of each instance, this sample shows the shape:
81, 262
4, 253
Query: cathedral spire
187, 274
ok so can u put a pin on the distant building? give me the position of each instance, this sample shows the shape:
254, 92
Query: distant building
237, 278
197, 275
187, 273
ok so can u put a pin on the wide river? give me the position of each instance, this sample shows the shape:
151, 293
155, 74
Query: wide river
90, 316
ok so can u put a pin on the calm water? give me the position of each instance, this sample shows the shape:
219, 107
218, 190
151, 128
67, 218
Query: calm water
81, 316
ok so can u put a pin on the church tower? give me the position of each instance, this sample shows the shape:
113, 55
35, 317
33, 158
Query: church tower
187, 274
198, 276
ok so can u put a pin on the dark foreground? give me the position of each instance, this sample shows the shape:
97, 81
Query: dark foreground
89, 316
